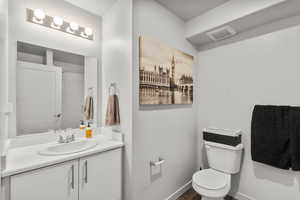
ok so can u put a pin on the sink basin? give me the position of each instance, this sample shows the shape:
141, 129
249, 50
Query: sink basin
68, 148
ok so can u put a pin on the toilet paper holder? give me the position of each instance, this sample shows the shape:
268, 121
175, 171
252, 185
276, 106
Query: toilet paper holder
159, 162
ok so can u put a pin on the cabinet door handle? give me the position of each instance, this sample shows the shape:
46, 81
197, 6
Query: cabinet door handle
72, 183
86, 171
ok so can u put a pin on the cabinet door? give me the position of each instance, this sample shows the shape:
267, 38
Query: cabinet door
100, 176
59, 182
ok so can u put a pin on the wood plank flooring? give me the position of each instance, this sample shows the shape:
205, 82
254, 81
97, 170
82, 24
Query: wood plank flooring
192, 195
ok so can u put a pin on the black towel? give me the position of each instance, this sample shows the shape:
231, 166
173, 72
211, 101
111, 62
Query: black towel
270, 137
295, 137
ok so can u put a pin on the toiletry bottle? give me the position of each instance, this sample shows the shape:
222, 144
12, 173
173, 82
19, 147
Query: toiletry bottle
88, 131
82, 125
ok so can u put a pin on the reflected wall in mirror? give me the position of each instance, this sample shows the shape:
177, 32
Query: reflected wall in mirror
52, 88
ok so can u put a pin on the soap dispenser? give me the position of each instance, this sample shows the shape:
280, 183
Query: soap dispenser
88, 131
82, 125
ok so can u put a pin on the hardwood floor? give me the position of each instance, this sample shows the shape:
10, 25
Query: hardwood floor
192, 195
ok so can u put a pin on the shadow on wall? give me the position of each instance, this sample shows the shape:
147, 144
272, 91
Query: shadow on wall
298, 179
204, 158
283, 177
236, 178
155, 173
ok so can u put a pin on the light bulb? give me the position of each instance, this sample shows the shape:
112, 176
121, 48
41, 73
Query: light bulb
88, 31
74, 26
58, 21
39, 14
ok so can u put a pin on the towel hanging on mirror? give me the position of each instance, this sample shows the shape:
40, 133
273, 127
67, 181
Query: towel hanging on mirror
113, 110
88, 110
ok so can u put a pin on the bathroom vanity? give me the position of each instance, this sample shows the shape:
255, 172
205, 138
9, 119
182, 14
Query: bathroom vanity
91, 174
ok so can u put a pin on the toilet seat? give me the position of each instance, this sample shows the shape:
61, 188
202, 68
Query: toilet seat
211, 183
210, 179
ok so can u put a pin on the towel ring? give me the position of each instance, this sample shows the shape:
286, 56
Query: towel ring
113, 86
91, 91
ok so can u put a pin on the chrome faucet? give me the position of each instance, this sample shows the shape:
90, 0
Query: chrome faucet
67, 139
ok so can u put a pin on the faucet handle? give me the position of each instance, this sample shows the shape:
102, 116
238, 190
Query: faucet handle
72, 137
61, 139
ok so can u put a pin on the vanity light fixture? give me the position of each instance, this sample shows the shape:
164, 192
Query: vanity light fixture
87, 32
38, 16
73, 27
57, 22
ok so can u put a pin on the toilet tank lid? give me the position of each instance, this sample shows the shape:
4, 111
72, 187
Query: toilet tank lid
227, 132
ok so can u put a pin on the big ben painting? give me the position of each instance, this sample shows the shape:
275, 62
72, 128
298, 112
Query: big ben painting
165, 74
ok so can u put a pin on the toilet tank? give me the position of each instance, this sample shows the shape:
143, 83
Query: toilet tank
224, 149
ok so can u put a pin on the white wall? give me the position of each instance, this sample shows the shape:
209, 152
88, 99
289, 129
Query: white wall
167, 131
117, 67
3, 75
3, 70
21, 30
98, 7
232, 79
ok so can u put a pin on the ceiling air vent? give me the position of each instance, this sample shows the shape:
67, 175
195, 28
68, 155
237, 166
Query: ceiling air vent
221, 33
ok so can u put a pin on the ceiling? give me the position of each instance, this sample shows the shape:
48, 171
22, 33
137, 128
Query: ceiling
97, 7
269, 19
188, 9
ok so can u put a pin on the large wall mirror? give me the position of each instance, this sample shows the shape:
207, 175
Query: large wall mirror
54, 66
53, 89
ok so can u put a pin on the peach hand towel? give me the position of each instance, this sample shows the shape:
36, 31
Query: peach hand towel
113, 111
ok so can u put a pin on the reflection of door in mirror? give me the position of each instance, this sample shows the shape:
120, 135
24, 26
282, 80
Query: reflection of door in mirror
39, 97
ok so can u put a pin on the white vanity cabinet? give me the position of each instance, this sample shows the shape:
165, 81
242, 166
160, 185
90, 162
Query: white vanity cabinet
95, 177
59, 182
100, 176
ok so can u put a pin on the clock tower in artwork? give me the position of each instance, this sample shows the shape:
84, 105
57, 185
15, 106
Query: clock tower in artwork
173, 65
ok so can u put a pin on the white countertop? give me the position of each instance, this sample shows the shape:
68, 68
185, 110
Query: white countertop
27, 158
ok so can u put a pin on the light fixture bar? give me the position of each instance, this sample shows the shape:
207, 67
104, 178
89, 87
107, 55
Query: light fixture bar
66, 27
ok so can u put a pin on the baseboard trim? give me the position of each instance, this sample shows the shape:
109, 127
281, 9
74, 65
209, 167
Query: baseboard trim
180, 191
241, 196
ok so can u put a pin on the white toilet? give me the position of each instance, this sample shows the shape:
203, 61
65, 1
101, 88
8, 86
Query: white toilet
224, 153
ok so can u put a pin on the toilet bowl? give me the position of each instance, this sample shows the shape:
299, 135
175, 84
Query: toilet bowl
224, 152
211, 184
